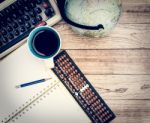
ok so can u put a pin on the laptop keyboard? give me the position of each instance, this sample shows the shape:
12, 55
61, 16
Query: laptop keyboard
18, 19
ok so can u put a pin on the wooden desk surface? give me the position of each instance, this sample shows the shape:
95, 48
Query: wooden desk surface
119, 65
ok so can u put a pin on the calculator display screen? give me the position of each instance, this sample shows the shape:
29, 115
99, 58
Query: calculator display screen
5, 3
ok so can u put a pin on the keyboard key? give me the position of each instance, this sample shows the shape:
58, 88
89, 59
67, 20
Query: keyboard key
9, 28
20, 21
5, 40
4, 32
38, 1
20, 12
16, 32
13, 7
39, 18
32, 5
1, 15
15, 25
19, 2
9, 20
10, 36
14, 16
27, 25
22, 29
32, 14
33, 21
26, 8
3, 23
7, 11
49, 12
26, 17
38, 10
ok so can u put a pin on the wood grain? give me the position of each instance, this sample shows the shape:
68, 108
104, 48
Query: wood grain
135, 11
125, 36
112, 61
131, 111
122, 87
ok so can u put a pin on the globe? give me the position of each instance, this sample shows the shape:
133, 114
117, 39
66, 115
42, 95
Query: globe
92, 13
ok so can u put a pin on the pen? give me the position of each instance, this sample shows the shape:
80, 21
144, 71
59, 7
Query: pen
32, 83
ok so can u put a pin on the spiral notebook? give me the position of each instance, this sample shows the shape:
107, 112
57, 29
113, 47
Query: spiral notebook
42, 103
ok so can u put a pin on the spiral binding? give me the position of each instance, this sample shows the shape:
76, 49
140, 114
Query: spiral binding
32, 102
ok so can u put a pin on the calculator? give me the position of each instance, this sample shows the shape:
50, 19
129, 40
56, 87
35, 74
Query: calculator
19, 17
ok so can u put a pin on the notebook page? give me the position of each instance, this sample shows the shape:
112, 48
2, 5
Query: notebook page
19, 67
56, 106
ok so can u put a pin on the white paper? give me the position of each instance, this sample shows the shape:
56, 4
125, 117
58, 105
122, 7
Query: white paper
20, 67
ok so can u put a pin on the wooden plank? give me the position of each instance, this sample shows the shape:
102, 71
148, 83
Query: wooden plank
134, 17
135, 1
124, 36
112, 61
122, 87
135, 11
130, 111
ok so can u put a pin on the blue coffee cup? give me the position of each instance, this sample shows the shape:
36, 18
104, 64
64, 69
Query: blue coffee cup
44, 42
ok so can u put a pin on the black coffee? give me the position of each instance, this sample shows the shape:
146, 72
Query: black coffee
46, 43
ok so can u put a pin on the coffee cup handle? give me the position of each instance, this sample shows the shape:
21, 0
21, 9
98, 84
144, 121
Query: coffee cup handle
49, 63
